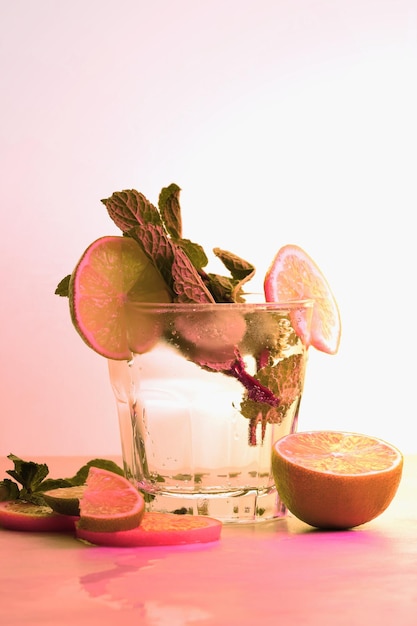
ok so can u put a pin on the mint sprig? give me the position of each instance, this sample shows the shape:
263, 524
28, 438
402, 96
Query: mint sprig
180, 261
31, 479
182, 264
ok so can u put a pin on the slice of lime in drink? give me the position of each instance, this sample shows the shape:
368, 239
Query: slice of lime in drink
111, 273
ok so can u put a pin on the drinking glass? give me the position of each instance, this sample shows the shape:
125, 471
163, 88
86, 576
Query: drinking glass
208, 390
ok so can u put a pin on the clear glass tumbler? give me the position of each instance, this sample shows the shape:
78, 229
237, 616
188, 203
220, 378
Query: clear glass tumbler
208, 390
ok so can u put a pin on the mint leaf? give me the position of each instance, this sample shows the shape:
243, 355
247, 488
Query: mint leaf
239, 268
27, 473
284, 380
129, 207
81, 476
8, 490
53, 483
223, 288
32, 477
173, 263
158, 247
169, 208
63, 287
188, 284
194, 252
180, 261
241, 271
258, 390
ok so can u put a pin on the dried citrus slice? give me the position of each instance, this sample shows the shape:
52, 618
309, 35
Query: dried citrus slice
109, 503
21, 515
112, 274
159, 529
293, 275
332, 479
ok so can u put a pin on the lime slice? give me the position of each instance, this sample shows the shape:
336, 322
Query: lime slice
293, 275
112, 274
159, 529
25, 516
109, 503
331, 479
65, 500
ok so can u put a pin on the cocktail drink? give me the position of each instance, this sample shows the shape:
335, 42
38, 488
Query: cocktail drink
205, 378
200, 409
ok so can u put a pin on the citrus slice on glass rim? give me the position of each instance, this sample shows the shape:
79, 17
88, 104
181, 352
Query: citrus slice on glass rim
293, 275
109, 503
332, 479
113, 274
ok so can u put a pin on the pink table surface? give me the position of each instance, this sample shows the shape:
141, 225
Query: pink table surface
281, 572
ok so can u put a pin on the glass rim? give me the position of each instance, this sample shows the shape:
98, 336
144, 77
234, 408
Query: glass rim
161, 307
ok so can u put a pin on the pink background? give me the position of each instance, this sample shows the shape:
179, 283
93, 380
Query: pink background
281, 122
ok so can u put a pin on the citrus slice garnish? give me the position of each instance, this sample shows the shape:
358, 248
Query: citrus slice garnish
159, 529
112, 274
293, 275
331, 479
25, 516
65, 500
109, 503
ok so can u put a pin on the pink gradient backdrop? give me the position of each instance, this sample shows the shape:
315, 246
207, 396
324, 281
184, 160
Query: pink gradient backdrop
281, 121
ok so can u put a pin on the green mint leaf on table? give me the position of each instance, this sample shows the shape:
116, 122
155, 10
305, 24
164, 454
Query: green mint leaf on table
8, 490
33, 479
81, 476
29, 474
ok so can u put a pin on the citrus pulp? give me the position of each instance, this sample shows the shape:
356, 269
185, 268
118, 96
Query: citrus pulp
65, 500
159, 529
113, 274
25, 516
332, 479
109, 502
293, 275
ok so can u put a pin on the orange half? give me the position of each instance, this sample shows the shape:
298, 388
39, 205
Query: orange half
331, 479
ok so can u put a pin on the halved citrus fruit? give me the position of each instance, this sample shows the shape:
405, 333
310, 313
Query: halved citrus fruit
25, 516
339, 480
293, 275
109, 503
112, 274
158, 529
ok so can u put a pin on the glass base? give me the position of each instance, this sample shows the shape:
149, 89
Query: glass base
233, 507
